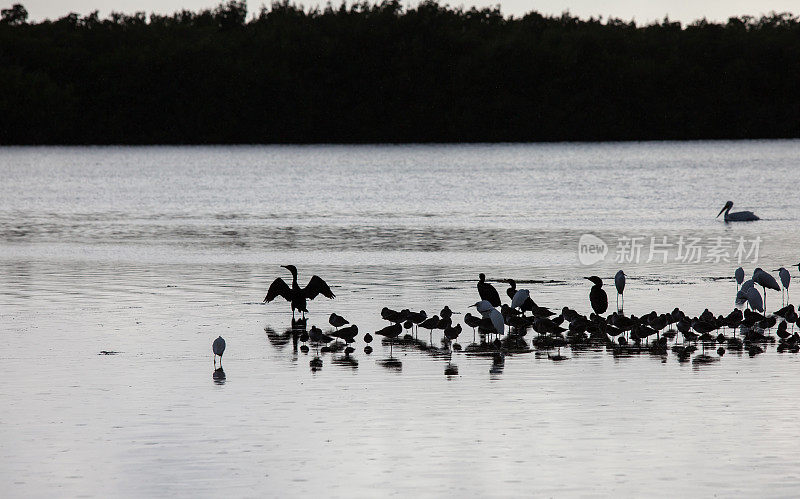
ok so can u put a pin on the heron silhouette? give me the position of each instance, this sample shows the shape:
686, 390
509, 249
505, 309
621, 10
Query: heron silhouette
218, 347
296, 295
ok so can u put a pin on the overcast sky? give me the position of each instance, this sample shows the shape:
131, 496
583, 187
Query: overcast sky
642, 11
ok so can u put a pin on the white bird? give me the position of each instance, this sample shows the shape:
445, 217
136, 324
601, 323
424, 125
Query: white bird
786, 278
619, 282
519, 298
739, 275
765, 280
737, 216
488, 311
218, 347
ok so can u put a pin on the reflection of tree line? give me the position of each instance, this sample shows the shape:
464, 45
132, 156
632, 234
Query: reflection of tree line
388, 73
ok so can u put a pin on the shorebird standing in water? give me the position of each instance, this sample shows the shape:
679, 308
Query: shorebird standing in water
765, 280
739, 276
487, 291
296, 295
737, 216
218, 347
619, 283
597, 295
786, 278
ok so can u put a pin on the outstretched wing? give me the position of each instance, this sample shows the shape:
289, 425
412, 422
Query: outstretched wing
278, 288
316, 286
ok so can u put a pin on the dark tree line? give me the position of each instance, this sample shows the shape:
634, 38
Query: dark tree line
382, 73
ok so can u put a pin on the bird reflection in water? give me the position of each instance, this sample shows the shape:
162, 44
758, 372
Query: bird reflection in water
219, 376
345, 361
392, 364
498, 363
316, 364
450, 370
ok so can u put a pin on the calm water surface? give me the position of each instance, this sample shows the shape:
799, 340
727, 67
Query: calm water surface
153, 252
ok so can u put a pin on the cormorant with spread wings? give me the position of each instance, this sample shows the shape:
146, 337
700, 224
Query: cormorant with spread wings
297, 295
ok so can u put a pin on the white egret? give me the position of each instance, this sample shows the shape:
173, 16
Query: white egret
737, 216
520, 297
488, 311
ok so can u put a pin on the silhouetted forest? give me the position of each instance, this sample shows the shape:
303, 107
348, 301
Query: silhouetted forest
384, 73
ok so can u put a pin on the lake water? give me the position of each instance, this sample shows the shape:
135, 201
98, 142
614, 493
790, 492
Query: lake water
153, 252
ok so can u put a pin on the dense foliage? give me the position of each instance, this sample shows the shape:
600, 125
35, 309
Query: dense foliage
383, 73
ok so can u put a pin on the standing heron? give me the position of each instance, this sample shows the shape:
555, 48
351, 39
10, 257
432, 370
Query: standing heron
488, 292
738, 274
765, 280
296, 295
486, 310
218, 347
737, 216
786, 278
619, 282
597, 295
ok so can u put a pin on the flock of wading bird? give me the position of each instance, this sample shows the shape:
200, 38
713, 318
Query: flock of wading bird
500, 328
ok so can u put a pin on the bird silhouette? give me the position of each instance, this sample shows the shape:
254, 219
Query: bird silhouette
337, 321
598, 296
218, 347
737, 216
619, 283
296, 295
487, 291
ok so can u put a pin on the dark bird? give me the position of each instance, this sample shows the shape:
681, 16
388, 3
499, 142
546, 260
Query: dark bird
296, 295
737, 216
473, 322
451, 333
348, 334
487, 291
218, 347
598, 296
738, 274
391, 332
619, 282
337, 321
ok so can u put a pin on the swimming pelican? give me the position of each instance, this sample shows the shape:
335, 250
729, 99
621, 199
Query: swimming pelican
297, 295
619, 282
218, 347
487, 291
786, 278
737, 216
598, 296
